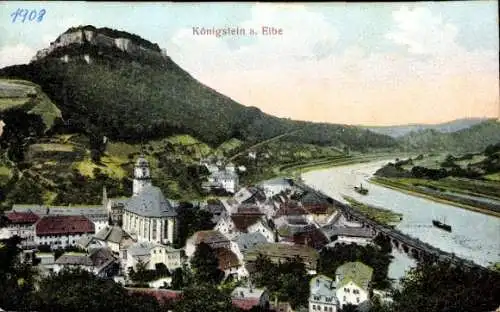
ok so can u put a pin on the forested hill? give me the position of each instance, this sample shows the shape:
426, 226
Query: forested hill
108, 82
472, 139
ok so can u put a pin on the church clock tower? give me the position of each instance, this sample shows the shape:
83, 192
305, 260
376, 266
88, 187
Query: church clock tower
142, 176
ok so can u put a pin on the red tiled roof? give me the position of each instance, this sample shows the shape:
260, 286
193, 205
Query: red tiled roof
227, 258
210, 237
312, 238
290, 209
162, 295
245, 303
243, 221
249, 209
22, 217
317, 208
51, 225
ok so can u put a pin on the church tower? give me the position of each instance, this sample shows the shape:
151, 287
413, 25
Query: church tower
142, 176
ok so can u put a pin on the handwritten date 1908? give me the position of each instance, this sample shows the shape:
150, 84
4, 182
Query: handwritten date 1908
20, 15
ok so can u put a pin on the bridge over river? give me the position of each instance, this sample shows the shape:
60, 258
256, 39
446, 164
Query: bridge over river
411, 246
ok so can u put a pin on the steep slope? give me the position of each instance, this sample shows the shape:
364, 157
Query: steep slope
120, 85
27, 97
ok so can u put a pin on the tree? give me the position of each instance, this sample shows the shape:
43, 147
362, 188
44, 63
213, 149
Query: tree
206, 298
192, 220
79, 290
205, 265
444, 287
16, 276
178, 280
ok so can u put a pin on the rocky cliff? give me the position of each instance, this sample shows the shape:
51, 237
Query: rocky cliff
97, 39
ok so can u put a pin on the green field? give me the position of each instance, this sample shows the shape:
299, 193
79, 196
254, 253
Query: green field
381, 215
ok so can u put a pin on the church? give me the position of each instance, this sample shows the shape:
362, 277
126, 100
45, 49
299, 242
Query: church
147, 216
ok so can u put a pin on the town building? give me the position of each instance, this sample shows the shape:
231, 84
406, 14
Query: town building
213, 238
237, 224
279, 252
112, 237
148, 216
275, 186
22, 224
348, 235
151, 254
246, 298
353, 283
62, 231
97, 214
222, 180
101, 262
322, 295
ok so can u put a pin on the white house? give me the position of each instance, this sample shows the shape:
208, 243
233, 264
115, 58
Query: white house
223, 179
62, 231
151, 254
101, 262
275, 186
322, 296
236, 224
348, 235
21, 224
353, 281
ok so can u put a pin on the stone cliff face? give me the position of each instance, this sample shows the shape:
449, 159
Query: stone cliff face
100, 40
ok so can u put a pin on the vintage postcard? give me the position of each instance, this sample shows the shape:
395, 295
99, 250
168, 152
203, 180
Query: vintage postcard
245, 156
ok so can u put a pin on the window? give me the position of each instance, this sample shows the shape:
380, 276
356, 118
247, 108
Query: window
330, 309
357, 299
355, 291
345, 299
314, 307
325, 308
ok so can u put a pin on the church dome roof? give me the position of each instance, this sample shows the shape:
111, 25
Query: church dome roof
150, 202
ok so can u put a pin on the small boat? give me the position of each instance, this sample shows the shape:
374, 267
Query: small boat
441, 225
361, 190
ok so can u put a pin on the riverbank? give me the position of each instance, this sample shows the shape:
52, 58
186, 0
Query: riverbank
381, 215
444, 199
336, 162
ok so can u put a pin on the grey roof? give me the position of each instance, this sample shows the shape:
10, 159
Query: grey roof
249, 240
94, 213
150, 202
113, 234
348, 231
140, 249
324, 286
246, 292
74, 259
224, 174
85, 240
101, 257
277, 181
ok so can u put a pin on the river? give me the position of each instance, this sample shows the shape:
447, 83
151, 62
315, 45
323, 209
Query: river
475, 236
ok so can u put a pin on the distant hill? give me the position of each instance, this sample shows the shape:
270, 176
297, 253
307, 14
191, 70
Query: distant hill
451, 126
109, 82
472, 139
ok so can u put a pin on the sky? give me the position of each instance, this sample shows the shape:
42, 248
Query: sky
348, 63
